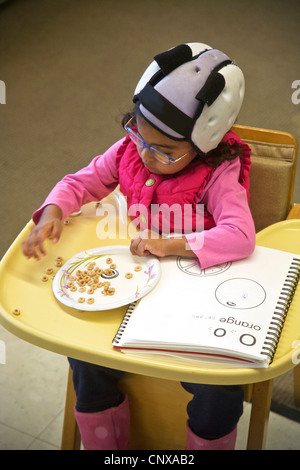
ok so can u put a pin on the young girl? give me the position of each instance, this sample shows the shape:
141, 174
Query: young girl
178, 151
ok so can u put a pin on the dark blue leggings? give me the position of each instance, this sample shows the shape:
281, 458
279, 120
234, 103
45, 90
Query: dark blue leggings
213, 411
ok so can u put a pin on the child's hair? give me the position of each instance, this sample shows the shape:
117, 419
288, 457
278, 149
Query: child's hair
223, 152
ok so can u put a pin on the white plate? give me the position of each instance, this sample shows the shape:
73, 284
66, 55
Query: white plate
126, 290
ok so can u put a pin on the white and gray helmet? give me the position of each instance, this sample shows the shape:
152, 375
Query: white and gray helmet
191, 92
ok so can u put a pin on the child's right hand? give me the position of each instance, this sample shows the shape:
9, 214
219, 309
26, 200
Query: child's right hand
49, 226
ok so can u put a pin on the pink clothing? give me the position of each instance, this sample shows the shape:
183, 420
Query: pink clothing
175, 192
232, 237
170, 202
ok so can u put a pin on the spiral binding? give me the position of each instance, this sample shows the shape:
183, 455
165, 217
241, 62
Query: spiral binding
125, 320
284, 301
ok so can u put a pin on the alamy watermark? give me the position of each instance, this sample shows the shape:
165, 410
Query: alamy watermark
168, 220
296, 354
2, 352
296, 94
2, 92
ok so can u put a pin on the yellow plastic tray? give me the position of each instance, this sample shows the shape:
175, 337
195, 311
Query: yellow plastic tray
47, 323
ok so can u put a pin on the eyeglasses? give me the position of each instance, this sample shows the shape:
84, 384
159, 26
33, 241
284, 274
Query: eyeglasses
139, 142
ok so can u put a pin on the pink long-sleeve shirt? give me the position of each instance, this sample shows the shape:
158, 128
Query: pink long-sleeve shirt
232, 238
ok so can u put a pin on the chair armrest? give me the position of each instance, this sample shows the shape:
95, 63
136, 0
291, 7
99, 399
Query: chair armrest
294, 212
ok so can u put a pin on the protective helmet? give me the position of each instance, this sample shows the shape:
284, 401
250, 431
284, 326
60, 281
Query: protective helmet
191, 92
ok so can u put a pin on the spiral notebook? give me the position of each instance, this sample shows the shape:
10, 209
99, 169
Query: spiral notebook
232, 313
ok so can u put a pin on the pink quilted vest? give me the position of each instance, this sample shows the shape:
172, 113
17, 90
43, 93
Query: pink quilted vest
168, 203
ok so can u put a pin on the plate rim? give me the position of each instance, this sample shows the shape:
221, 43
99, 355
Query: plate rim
114, 304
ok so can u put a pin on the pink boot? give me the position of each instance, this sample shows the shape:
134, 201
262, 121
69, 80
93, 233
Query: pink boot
195, 442
105, 430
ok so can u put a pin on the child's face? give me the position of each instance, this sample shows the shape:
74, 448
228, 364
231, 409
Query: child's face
170, 147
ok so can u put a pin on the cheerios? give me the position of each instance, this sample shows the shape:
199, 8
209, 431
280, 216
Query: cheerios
108, 272
87, 280
58, 263
128, 275
16, 311
48, 270
138, 268
44, 278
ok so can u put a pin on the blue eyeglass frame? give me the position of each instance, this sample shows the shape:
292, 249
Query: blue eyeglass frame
150, 147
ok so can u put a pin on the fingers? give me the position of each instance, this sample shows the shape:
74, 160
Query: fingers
139, 247
138, 244
33, 246
56, 231
147, 243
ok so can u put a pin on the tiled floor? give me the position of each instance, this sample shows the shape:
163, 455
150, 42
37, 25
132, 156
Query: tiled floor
32, 390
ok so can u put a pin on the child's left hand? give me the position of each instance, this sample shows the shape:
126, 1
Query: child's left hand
150, 243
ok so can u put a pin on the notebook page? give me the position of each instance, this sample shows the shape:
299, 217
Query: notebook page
227, 307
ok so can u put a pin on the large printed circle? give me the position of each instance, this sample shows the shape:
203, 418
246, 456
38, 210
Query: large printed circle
240, 293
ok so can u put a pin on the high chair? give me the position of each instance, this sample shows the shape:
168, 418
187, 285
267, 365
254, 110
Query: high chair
158, 402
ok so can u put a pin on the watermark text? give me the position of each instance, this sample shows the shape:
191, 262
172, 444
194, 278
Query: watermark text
2, 352
296, 94
159, 219
2, 92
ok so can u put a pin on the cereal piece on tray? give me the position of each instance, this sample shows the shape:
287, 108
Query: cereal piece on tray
128, 275
138, 268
